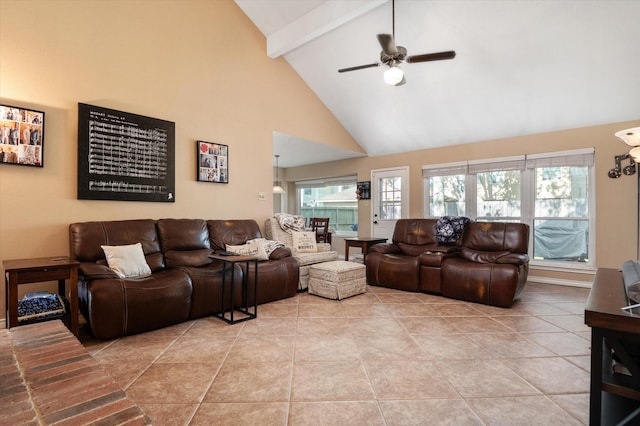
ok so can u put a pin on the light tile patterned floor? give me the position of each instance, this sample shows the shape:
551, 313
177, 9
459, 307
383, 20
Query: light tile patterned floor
382, 358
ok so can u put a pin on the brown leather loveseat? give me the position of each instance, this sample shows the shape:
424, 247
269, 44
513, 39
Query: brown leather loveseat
184, 282
487, 264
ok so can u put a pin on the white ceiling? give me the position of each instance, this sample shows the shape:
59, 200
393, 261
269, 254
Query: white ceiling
522, 67
294, 151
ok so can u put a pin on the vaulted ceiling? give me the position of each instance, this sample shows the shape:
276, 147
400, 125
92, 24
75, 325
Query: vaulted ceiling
522, 67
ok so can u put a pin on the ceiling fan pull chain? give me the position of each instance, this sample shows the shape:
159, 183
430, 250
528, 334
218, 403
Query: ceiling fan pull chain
393, 18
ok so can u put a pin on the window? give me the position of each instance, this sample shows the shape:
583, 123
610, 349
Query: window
498, 194
562, 195
498, 186
551, 192
390, 198
445, 190
334, 198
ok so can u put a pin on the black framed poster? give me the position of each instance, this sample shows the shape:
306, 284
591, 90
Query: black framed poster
21, 136
124, 156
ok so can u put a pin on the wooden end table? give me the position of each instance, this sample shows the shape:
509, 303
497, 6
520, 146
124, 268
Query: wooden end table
24, 271
364, 242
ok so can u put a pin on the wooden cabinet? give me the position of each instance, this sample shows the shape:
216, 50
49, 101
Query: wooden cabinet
615, 337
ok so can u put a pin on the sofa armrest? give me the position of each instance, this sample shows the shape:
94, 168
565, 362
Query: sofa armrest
280, 253
435, 258
384, 248
514, 258
93, 271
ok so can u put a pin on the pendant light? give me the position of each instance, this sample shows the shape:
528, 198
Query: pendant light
277, 189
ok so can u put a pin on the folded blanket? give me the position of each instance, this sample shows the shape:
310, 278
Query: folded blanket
290, 223
269, 245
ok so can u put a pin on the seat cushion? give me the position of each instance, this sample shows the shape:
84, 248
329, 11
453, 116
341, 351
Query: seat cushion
488, 283
393, 271
337, 279
337, 271
116, 307
313, 258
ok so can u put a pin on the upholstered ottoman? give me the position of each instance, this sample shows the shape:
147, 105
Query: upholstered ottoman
307, 260
337, 279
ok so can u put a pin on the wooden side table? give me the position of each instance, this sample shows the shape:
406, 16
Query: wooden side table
364, 242
24, 271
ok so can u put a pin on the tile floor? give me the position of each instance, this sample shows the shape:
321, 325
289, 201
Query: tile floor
382, 358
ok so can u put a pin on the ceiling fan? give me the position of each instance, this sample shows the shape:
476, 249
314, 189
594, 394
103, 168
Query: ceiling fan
392, 56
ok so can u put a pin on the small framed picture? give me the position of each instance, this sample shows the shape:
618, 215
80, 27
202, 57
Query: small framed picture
21, 136
213, 162
363, 190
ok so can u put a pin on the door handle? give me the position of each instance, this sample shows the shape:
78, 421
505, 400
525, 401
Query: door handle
375, 222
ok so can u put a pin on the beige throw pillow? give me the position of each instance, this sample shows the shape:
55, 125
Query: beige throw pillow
127, 261
253, 248
305, 242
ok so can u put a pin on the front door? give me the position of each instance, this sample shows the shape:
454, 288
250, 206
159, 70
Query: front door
390, 200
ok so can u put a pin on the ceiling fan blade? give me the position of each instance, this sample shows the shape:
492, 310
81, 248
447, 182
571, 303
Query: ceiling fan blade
439, 56
359, 67
387, 44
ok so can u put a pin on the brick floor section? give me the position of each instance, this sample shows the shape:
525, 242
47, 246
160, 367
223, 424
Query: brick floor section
47, 378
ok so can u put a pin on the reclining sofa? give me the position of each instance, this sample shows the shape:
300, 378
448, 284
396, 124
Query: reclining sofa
488, 263
184, 282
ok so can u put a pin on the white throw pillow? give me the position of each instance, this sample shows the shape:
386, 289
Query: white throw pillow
305, 242
127, 261
253, 248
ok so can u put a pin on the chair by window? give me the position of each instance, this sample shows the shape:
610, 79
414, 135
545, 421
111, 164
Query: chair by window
320, 225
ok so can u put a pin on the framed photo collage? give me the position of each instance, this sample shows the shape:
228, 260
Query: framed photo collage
21, 136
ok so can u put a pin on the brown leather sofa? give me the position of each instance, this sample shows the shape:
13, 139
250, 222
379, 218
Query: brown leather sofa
488, 264
184, 284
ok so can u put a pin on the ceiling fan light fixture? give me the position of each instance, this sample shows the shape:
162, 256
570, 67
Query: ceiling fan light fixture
629, 136
393, 75
635, 154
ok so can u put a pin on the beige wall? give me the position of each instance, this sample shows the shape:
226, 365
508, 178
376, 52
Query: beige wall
200, 64
203, 65
616, 199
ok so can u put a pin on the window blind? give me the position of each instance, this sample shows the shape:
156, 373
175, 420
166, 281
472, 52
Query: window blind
320, 183
575, 158
447, 169
497, 164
